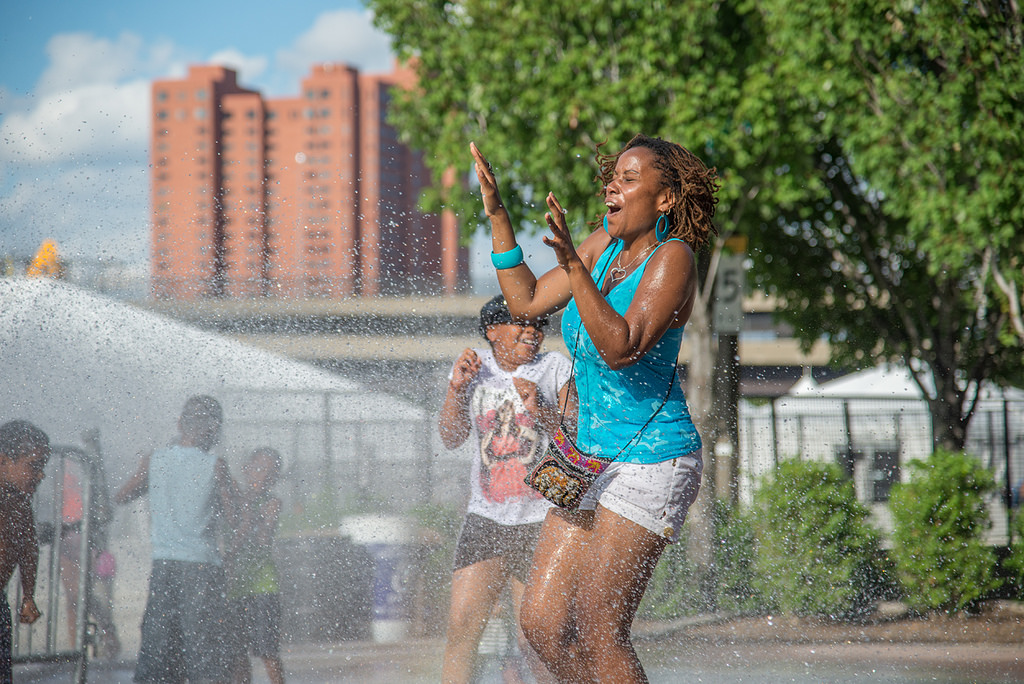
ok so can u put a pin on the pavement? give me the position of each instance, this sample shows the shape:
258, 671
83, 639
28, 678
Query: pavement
668, 660
710, 649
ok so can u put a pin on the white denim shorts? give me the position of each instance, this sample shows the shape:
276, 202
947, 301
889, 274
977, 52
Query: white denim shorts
655, 496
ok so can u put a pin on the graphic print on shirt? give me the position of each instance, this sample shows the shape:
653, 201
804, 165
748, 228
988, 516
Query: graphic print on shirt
509, 443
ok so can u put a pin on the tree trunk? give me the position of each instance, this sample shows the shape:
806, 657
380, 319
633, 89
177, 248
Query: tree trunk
949, 425
700, 540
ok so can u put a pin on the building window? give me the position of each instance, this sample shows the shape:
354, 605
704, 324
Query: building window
200, 113
201, 94
161, 96
161, 115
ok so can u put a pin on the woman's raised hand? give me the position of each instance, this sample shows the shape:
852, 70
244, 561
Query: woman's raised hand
560, 240
488, 185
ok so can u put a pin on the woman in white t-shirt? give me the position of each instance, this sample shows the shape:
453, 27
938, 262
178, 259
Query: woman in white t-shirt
508, 397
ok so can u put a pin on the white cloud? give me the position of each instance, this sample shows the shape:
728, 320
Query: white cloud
81, 59
345, 35
249, 68
91, 102
93, 211
74, 152
90, 122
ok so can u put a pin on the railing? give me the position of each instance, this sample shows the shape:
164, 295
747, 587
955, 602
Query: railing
873, 438
42, 642
360, 447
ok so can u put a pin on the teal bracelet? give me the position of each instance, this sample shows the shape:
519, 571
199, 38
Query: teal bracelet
509, 259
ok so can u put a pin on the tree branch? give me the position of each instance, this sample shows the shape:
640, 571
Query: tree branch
1013, 299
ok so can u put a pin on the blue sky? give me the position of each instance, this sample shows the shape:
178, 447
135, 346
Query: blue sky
74, 100
74, 106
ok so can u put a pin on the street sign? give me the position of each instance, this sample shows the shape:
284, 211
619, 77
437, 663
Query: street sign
729, 283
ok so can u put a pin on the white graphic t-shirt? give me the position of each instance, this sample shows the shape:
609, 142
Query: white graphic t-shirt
508, 439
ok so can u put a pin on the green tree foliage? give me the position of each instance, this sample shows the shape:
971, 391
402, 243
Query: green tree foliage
815, 547
539, 84
939, 516
912, 115
872, 151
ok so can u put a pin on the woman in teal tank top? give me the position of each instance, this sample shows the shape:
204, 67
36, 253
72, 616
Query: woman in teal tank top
627, 291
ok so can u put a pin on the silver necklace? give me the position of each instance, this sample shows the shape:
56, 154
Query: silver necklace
618, 272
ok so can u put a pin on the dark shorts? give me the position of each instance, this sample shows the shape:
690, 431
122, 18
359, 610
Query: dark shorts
186, 629
5, 639
257, 620
482, 539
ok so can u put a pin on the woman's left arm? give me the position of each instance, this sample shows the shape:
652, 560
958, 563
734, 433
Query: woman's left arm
663, 298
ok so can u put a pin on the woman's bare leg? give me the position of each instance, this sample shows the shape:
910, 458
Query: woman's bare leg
475, 588
547, 611
540, 672
621, 558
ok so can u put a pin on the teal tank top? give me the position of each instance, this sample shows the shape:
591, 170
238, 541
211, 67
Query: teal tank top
615, 404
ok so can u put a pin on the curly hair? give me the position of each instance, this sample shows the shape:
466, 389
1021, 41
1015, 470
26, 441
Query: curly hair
18, 438
692, 183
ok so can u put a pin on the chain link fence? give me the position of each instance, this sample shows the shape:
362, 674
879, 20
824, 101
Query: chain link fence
873, 439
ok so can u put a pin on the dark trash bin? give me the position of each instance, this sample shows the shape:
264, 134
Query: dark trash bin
326, 590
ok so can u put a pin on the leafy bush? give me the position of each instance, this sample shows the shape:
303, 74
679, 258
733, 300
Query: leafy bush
815, 546
673, 589
1013, 564
941, 559
676, 589
734, 562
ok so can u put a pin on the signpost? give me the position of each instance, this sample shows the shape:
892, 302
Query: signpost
728, 321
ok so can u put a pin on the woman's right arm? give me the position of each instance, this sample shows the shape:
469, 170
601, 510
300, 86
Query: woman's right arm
528, 296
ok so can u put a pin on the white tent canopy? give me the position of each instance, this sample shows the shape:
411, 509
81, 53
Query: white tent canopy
71, 361
890, 381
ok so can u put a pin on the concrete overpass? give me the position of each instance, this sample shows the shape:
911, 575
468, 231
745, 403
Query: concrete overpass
407, 344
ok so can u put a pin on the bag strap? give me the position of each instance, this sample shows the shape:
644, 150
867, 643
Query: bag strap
572, 368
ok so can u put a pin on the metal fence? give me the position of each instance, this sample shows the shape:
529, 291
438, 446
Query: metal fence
873, 438
340, 449
70, 508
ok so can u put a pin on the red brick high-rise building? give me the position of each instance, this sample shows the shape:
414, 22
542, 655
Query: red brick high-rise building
307, 196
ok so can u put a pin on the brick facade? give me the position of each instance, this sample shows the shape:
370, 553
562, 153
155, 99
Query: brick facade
306, 196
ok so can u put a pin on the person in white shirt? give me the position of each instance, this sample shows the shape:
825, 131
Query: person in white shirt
507, 396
